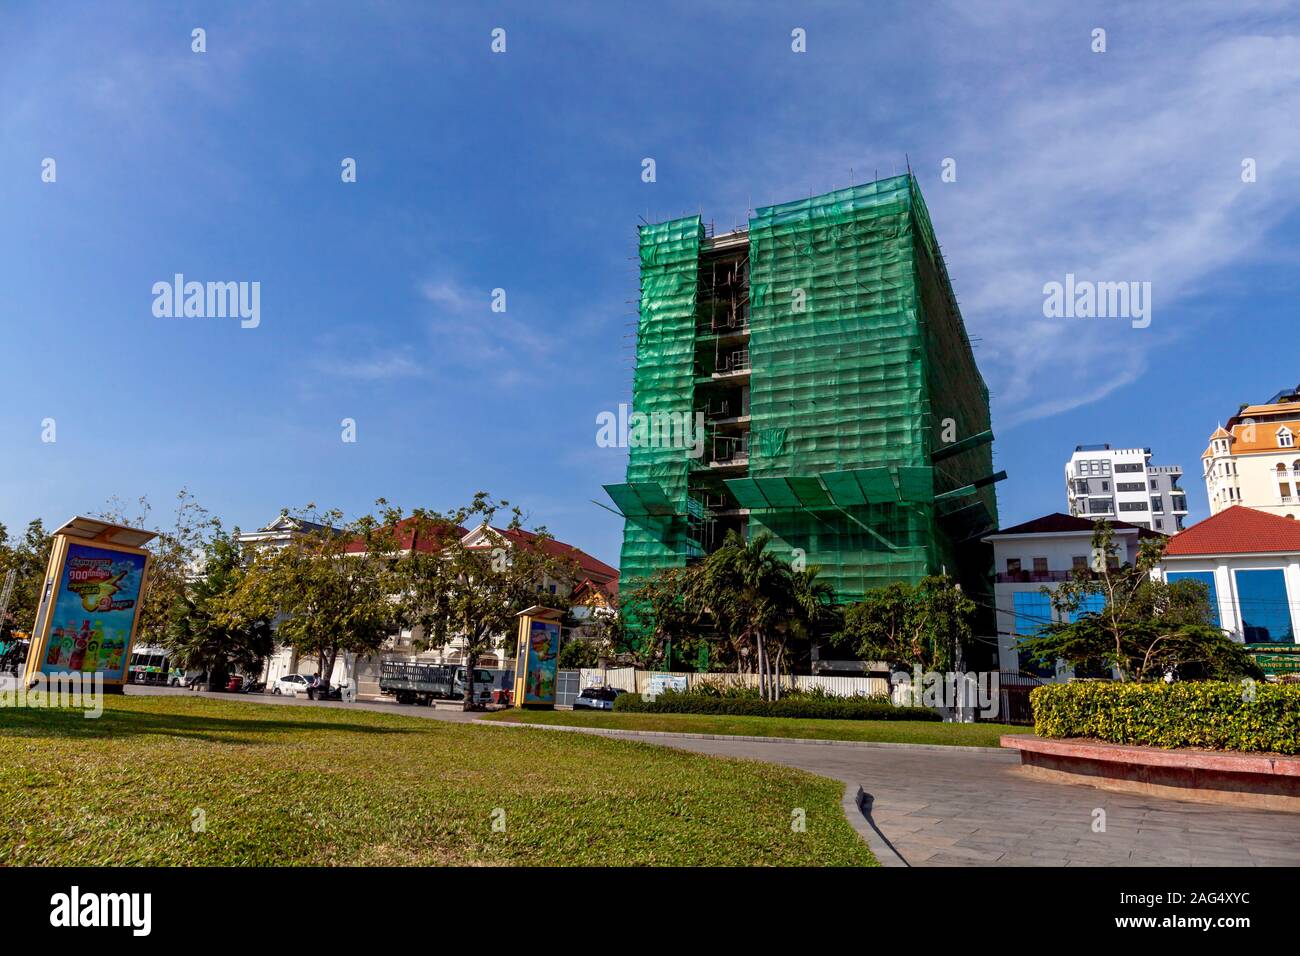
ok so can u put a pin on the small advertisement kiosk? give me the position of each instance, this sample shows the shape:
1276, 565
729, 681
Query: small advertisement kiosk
90, 602
537, 656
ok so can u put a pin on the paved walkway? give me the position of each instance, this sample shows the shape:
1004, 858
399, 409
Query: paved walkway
962, 806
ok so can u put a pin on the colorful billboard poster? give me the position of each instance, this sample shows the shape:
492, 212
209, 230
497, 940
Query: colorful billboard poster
543, 654
94, 614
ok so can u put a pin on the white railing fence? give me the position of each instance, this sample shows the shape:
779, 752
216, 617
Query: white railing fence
633, 680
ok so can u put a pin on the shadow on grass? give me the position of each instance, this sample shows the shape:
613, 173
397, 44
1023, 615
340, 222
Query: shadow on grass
56, 722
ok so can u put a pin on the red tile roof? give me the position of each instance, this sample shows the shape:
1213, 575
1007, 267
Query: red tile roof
410, 537
1238, 530
1057, 522
593, 567
606, 590
432, 539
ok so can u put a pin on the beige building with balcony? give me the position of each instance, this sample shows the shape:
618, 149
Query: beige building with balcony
1254, 459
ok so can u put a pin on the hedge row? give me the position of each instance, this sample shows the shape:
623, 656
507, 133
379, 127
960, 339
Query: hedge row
1203, 715
839, 708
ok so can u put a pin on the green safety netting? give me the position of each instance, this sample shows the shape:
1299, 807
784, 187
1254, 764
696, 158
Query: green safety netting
656, 534
869, 440
641, 499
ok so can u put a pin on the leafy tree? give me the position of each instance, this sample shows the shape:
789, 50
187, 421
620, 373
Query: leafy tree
578, 653
473, 594
924, 624
602, 632
207, 629
175, 555
811, 610
668, 620
757, 603
1145, 628
330, 588
28, 556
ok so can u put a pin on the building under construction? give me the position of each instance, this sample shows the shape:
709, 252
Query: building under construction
843, 411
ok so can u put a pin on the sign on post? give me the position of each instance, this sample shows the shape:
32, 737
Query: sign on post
537, 657
90, 602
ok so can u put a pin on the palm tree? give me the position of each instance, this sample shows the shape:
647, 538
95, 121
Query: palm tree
752, 595
809, 604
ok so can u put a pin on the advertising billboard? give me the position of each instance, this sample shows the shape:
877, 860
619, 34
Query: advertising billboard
543, 656
91, 622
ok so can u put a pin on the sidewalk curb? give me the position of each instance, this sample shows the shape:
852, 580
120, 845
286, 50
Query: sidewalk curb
995, 752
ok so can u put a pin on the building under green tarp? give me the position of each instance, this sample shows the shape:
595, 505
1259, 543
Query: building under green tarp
823, 351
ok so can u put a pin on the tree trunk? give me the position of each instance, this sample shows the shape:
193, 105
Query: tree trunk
762, 666
471, 661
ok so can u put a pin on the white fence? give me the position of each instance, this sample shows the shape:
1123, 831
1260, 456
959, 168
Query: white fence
631, 679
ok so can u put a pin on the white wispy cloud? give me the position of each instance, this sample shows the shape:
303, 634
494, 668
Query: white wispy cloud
503, 346
1115, 166
1117, 174
374, 366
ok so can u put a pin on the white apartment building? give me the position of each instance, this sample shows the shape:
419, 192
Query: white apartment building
596, 585
1254, 460
1121, 484
1043, 553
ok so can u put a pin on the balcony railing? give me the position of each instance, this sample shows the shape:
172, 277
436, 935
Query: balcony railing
725, 325
737, 361
1032, 577
728, 450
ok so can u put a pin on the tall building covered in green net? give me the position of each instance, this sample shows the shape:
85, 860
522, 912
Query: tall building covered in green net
824, 354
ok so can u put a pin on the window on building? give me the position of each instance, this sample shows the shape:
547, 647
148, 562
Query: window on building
1089, 604
1157, 505
1206, 578
1105, 486
1178, 503
1033, 612
1132, 506
1129, 469
1013, 565
1079, 562
1160, 524
1040, 565
1130, 486
1265, 607
1284, 438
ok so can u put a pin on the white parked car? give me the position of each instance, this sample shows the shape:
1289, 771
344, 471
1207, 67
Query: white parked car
291, 684
597, 698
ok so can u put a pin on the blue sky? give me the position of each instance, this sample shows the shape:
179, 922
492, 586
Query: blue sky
522, 171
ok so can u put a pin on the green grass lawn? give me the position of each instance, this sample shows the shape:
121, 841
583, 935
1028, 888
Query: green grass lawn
298, 785
880, 731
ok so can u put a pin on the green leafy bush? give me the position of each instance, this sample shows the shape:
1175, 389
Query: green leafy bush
830, 708
728, 687
1204, 715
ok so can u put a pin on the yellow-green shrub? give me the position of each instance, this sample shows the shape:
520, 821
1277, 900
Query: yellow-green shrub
1204, 715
